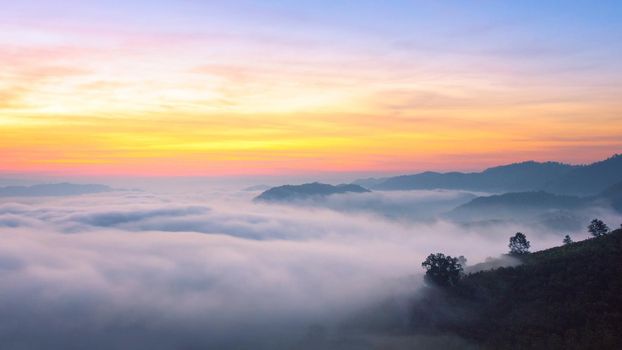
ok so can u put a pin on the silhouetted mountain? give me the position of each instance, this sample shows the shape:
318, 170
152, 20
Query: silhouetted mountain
561, 298
370, 181
316, 189
521, 205
526, 176
552, 177
589, 179
61, 189
515, 205
613, 195
550, 211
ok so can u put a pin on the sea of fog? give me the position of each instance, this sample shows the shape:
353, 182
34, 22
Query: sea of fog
215, 270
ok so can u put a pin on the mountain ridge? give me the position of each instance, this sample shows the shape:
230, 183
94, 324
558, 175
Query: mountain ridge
304, 191
553, 177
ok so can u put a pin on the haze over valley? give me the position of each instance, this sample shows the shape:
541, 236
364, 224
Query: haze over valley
302, 267
310, 175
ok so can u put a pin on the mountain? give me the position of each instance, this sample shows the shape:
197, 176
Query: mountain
613, 195
515, 205
552, 177
551, 211
305, 191
566, 297
589, 179
524, 176
60, 189
370, 181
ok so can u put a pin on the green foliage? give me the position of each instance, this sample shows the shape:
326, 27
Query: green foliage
567, 297
519, 244
441, 270
597, 228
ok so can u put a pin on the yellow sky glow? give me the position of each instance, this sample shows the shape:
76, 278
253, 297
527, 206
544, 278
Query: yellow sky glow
161, 108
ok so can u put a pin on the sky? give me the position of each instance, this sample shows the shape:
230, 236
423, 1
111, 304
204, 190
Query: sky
214, 88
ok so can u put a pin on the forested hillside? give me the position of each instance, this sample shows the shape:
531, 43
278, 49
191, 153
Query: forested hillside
568, 297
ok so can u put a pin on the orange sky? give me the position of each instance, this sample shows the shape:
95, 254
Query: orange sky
80, 97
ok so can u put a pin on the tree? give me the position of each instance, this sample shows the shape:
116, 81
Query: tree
597, 228
444, 271
519, 244
567, 240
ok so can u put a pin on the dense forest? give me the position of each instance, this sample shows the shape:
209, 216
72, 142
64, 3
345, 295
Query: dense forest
568, 297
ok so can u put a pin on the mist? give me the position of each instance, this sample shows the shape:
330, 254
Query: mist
213, 269
416, 205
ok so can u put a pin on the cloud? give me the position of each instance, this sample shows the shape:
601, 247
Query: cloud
135, 270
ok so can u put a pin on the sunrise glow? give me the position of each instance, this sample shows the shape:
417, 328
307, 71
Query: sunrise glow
204, 88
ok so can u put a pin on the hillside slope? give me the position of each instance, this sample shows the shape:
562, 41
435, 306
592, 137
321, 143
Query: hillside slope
304, 191
568, 297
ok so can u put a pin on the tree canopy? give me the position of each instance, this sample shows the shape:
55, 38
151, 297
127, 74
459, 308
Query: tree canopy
444, 271
597, 228
519, 244
562, 298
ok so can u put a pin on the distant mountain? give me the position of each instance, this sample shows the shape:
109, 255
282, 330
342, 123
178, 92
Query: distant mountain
515, 206
566, 297
552, 177
370, 181
613, 195
518, 204
588, 179
524, 176
60, 189
305, 191
556, 212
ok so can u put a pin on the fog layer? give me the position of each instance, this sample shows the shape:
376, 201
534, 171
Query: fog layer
137, 270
